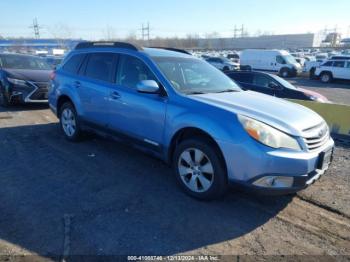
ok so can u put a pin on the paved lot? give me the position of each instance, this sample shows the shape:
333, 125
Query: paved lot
337, 92
101, 197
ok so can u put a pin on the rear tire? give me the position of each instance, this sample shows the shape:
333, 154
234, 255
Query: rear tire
69, 122
199, 169
326, 77
225, 69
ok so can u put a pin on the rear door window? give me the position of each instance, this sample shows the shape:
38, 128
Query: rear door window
101, 66
73, 64
242, 77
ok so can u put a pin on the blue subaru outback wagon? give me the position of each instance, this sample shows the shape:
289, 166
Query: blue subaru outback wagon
188, 113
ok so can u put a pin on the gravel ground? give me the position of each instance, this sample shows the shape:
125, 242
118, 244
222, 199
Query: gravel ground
100, 197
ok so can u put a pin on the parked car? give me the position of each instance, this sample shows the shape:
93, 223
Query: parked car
310, 66
333, 69
340, 57
274, 85
300, 60
189, 114
270, 60
234, 57
53, 61
222, 63
23, 78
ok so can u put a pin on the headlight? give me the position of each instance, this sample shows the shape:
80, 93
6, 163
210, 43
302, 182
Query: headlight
16, 82
268, 135
317, 99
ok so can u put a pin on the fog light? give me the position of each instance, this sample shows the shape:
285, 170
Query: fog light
275, 181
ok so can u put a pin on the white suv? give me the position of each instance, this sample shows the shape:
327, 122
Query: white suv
223, 63
333, 69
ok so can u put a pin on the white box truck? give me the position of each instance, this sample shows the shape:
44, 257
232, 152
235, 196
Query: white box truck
279, 61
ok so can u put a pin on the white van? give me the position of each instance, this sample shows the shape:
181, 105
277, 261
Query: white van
270, 60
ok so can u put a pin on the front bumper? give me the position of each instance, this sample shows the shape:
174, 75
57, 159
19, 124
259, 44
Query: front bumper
247, 164
33, 92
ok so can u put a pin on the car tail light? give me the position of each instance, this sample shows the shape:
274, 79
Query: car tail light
52, 75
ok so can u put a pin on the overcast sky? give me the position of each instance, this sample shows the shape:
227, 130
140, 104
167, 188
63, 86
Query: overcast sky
95, 19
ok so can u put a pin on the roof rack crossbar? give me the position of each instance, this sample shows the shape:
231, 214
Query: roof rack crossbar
101, 44
173, 49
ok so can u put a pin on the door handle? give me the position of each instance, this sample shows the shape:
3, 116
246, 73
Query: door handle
77, 84
115, 95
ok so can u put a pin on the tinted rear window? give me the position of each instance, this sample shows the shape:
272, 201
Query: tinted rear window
73, 64
100, 66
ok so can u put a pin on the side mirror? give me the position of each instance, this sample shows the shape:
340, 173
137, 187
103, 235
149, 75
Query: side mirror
148, 86
273, 85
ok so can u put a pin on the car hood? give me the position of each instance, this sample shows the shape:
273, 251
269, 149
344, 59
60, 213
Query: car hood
29, 75
286, 116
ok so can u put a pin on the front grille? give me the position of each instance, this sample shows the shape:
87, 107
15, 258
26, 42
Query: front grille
40, 91
316, 137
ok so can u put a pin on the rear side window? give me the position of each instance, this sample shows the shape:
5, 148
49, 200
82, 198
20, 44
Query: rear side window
100, 66
339, 64
73, 64
243, 77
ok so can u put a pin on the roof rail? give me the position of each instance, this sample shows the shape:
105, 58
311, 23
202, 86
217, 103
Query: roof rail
102, 44
173, 49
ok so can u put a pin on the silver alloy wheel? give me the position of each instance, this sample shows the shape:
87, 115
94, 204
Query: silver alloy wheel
325, 78
196, 170
68, 122
284, 73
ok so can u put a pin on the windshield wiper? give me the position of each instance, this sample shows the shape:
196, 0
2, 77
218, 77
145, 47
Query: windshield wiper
227, 90
195, 93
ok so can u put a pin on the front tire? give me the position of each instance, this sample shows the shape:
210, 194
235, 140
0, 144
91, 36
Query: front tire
69, 122
199, 169
285, 72
326, 77
4, 102
312, 73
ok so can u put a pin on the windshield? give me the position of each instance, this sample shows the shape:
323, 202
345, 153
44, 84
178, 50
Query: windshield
283, 82
191, 76
23, 62
289, 59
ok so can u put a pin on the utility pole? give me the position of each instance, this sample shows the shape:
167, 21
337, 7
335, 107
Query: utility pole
36, 28
238, 30
145, 32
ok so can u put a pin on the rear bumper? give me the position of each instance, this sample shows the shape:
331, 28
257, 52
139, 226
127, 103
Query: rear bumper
250, 164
